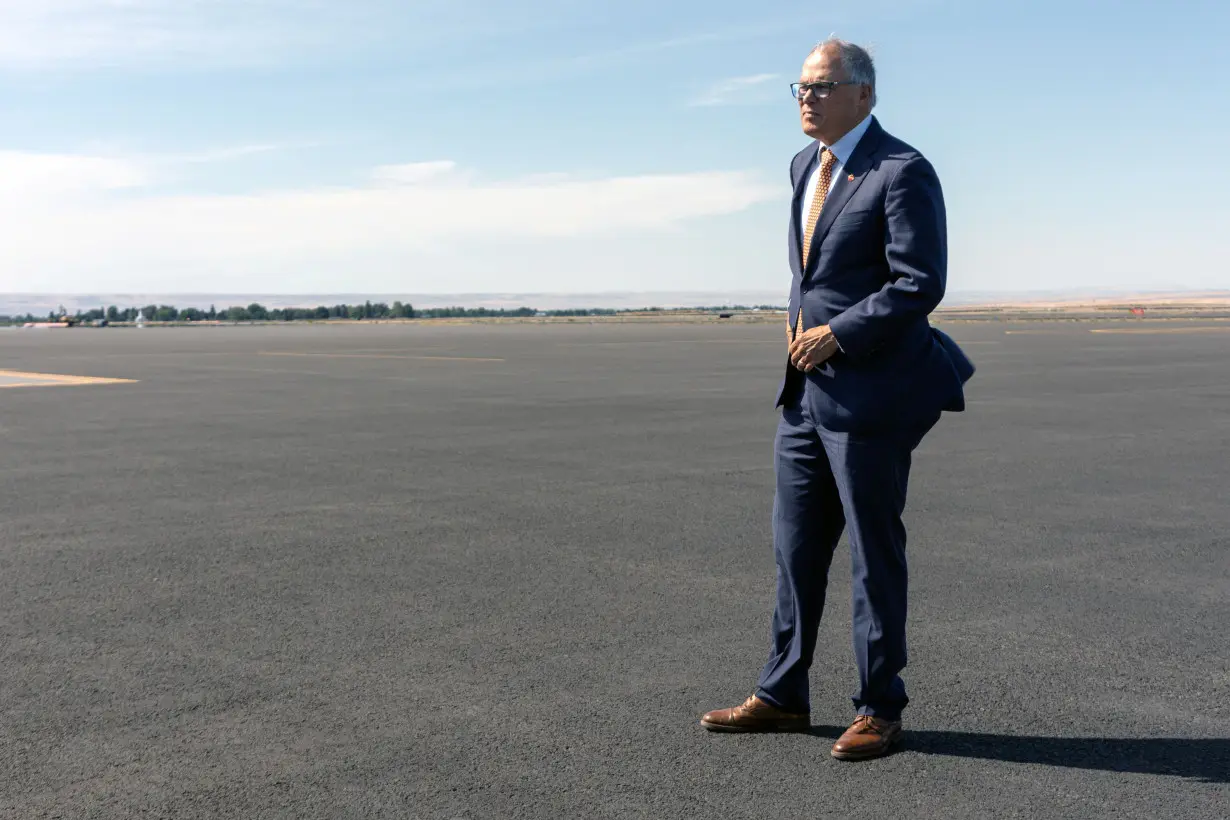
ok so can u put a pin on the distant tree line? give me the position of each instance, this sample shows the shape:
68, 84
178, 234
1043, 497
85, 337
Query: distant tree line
257, 312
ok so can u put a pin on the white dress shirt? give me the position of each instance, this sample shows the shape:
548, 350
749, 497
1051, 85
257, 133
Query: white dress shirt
842, 149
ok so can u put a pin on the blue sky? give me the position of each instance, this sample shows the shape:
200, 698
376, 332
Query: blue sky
271, 146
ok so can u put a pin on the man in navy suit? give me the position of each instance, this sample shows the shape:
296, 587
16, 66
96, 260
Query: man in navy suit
867, 378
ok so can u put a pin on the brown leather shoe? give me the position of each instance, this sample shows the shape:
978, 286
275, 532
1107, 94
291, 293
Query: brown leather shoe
866, 738
755, 716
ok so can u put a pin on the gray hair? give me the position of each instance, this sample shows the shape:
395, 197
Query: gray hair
856, 60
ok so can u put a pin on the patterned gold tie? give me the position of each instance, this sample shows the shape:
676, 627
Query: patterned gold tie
827, 160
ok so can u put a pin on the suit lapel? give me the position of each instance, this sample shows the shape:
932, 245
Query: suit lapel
852, 176
800, 188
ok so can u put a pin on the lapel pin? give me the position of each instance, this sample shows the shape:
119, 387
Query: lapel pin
850, 178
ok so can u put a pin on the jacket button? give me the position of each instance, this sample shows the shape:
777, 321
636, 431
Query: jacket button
805, 289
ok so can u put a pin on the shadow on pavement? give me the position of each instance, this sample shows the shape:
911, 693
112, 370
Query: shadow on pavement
1203, 759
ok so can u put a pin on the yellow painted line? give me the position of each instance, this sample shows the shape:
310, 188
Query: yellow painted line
1223, 329
382, 356
26, 379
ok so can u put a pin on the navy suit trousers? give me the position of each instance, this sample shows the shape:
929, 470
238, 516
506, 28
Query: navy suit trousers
827, 483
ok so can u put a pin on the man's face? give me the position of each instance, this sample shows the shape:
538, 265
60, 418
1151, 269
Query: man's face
829, 119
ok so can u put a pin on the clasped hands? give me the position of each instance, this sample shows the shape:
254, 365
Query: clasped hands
812, 348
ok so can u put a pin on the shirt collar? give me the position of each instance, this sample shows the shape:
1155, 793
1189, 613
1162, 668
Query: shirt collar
844, 147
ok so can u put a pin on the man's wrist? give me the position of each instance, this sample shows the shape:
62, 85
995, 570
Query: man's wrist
833, 336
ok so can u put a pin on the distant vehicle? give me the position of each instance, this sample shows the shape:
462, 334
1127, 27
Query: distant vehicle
67, 321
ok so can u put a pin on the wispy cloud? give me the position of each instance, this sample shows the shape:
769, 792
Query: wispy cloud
683, 41
415, 173
59, 177
736, 91
100, 220
70, 34
229, 154
27, 178
603, 57
37, 34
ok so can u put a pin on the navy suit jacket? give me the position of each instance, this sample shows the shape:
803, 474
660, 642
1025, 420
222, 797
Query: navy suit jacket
876, 269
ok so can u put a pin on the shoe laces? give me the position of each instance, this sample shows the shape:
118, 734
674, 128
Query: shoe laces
868, 722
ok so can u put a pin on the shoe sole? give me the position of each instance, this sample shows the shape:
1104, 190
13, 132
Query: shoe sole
767, 728
871, 755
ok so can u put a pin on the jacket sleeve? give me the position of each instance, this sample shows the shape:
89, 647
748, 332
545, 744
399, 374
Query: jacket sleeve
916, 249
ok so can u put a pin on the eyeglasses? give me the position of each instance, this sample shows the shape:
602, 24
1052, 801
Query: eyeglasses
821, 89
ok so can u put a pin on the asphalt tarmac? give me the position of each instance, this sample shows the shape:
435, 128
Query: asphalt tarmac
500, 571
